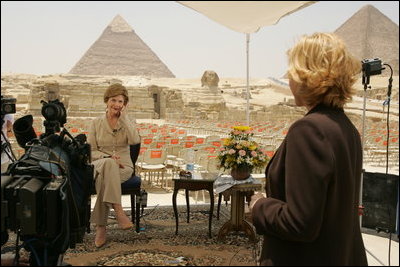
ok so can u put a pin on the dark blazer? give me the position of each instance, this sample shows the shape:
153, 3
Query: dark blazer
310, 216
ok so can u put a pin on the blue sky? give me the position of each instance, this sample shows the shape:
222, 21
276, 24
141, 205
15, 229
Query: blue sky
50, 37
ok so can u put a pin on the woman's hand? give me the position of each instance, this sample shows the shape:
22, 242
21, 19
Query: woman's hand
254, 199
120, 114
116, 158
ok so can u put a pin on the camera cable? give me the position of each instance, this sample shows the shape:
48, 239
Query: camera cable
255, 251
387, 102
27, 243
17, 248
146, 214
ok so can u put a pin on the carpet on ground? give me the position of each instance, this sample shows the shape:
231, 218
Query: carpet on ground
157, 244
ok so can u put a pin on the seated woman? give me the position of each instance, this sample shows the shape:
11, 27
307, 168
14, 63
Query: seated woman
110, 137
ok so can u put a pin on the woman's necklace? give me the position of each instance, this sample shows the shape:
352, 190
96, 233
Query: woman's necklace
112, 122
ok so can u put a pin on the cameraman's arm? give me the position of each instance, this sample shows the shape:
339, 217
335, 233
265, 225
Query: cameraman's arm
130, 125
96, 153
9, 128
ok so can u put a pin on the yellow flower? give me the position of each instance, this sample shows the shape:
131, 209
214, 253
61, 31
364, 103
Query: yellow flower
227, 141
252, 147
242, 128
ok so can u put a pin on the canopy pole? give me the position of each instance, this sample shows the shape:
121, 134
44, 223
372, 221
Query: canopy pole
247, 79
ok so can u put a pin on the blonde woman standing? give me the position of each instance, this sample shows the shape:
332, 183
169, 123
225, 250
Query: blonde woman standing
310, 216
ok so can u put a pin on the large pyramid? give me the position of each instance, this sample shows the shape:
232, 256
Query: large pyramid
370, 34
119, 51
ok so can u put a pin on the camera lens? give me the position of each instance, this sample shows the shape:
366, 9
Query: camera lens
8, 105
55, 114
52, 112
8, 108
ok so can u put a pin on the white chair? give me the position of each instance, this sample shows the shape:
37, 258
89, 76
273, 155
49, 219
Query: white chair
172, 155
212, 138
154, 163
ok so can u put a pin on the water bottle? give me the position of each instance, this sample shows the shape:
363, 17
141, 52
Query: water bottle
190, 160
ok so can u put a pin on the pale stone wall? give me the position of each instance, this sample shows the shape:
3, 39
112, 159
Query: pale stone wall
81, 96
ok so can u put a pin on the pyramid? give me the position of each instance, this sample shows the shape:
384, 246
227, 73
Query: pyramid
370, 34
119, 51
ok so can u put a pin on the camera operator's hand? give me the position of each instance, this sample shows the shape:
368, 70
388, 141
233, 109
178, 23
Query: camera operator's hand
9, 128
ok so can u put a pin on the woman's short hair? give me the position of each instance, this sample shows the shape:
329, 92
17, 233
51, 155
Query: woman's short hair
114, 90
324, 68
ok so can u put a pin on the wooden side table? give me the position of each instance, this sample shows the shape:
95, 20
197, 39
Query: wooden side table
193, 185
237, 221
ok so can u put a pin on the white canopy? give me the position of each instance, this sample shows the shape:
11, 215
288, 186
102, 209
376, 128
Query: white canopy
246, 16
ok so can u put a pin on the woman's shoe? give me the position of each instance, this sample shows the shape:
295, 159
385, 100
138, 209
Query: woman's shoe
127, 226
99, 243
123, 221
100, 238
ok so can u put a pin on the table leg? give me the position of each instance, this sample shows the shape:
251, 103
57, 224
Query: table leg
237, 209
225, 229
175, 209
187, 204
248, 229
211, 192
237, 221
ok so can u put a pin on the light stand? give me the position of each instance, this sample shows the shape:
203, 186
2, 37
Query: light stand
365, 82
374, 67
369, 67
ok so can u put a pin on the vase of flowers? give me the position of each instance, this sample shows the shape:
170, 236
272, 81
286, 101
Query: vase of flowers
240, 173
240, 154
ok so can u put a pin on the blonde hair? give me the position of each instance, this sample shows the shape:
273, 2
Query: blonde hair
114, 90
324, 68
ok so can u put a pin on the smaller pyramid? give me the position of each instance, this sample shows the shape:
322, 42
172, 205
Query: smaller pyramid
370, 34
119, 51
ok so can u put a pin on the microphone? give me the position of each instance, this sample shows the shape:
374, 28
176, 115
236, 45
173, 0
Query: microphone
115, 131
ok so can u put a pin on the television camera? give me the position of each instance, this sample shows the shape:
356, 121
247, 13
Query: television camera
7, 107
45, 194
369, 68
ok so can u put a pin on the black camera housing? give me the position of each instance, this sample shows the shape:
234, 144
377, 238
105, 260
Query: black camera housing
45, 194
54, 112
372, 67
8, 105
